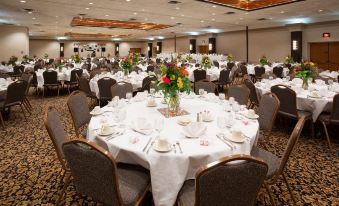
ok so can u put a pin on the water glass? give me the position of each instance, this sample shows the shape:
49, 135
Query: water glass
129, 96
201, 92
288, 78
152, 91
159, 124
221, 122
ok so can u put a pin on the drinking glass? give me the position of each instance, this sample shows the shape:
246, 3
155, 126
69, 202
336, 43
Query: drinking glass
152, 91
330, 83
201, 92
288, 78
159, 124
221, 122
129, 96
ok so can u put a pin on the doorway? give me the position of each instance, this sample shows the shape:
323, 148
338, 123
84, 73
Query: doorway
325, 55
203, 49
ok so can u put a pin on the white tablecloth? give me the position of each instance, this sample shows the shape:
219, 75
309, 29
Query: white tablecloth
331, 74
304, 102
170, 170
133, 78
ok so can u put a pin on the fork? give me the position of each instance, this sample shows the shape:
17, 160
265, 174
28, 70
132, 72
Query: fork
175, 150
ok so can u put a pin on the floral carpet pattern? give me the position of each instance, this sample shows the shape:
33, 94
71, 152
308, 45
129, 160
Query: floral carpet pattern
30, 173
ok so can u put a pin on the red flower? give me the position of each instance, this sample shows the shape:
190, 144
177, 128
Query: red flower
166, 80
297, 69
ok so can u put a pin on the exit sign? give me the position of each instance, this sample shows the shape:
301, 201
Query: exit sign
326, 35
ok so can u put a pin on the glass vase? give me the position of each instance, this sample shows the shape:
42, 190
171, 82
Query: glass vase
173, 103
305, 84
126, 73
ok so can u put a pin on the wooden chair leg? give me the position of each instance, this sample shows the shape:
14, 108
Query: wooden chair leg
289, 190
270, 194
28, 102
327, 136
67, 181
23, 112
312, 128
26, 106
58, 90
2, 121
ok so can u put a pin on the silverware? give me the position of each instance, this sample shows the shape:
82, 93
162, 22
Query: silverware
175, 150
115, 135
229, 141
150, 147
149, 141
219, 137
178, 143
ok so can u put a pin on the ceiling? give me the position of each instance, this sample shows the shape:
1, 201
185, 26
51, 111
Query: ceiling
52, 18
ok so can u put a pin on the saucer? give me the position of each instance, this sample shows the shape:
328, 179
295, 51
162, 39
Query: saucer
236, 140
151, 105
208, 120
314, 96
109, 131
158, 149
255, 116
184, 121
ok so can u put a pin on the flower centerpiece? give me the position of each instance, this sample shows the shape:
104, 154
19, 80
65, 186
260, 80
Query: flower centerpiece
25, 58
264, 61
230, 58
305, 71
45, 56
59, 63
126, 65
76, 59
173, 80
289, 60
206, 62
136, 58
189, 58
12, 60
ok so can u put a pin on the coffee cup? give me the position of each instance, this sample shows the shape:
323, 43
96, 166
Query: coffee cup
231, 100
236, 134
251, 113
162, 143
105, 128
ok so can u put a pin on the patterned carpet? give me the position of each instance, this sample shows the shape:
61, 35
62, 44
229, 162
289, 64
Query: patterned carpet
30, 171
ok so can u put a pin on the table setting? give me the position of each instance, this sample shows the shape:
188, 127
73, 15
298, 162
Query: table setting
136, 133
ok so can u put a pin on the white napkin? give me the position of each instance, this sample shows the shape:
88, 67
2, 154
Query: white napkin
144, 127
195, 129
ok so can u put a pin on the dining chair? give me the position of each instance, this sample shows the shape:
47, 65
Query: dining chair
199, 74
18, 70
224, 79
50, 80
276, 165
242, 71
258, 72
104, 85
288, 105
233, 180
254, 99
120, 89
28, 77
240, 93
150, 68
216, 63
230, 65
94, 72
58, 135
73, 79
78, 107
15, 96
84, 86
332, 118
206, 85
147, 83
96, 174
278, 71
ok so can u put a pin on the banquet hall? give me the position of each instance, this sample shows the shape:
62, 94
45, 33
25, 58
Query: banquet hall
169, 102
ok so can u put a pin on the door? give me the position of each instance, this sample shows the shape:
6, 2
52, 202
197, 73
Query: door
334, 56
135, 50
319, 54
203, 49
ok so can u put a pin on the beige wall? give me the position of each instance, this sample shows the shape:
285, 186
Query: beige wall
14, 41
51, 47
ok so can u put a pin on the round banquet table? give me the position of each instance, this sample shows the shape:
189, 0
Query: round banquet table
304, 101
170, 170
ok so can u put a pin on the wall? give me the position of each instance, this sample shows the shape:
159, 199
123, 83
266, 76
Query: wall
14, 41
39, 47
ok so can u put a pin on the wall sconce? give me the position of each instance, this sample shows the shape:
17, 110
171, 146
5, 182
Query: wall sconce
191, 47
158, 48
295, 45
148, 48
117, 48
62, 48
210, 46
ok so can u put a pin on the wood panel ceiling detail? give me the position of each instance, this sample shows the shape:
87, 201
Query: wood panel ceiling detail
90, 22
98, 35
250, 5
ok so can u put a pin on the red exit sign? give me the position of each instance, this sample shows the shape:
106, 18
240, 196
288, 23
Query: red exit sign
326, 35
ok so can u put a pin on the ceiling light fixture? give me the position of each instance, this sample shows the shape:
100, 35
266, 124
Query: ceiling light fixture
282, 12
214, 6
202, 21
87, 8
106, 15
213, 14
177, 8
30, 12
22, 1
128, 0
172, 17
320, 10
33, 18
135, 13
90, 3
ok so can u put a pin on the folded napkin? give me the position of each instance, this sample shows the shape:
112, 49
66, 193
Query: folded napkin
144, 128
195, 129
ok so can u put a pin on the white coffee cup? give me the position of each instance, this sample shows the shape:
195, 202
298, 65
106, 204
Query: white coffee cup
236, 134
251, 113
231, 100
162, 143
105, 128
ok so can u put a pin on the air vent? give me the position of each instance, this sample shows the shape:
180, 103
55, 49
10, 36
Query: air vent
132, 19
37, 24
262, 19
230, 13
174, 2
178, 23
28, 10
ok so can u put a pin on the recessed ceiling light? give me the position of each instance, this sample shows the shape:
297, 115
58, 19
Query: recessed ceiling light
177, 8
135, 13
202, 21
30, 12
282, 12
182, 14
142, 9
271, 18
214, 6
213, 19
106, 15
320, 10
86, 8
241, 18
56, 16
22, 1
172, 17
213, 14
128, 0
33, 18
246, 13
90, 3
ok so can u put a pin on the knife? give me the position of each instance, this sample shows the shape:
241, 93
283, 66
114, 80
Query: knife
150, 139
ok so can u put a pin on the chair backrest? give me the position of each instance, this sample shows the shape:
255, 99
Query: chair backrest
56, 132
18, 69
94, 72
74, 74
335, 110
224, 76
94, 171
288, 100
105, 85
84, 85
243, 69
278, 71
16, 92
268, 109
78, 107
228, 182
50, 77
25, 76
208, 86
239, 93
120, 89
146, 83
259, 71
199, 74
216, 63
230, 65
150, 68
291, 144
253, 92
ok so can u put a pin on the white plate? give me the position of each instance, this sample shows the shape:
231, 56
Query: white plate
251, 117
208, 120
314, 96
238, 140
151, 105
156, 148
107, 133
